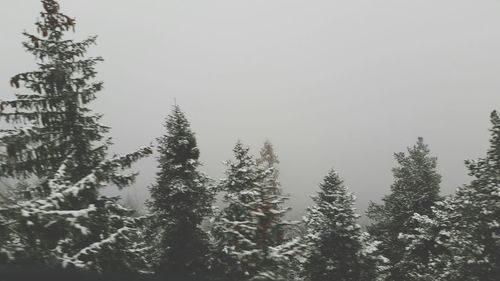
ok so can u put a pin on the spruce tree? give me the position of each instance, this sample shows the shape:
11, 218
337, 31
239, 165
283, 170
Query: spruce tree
463, 231
337, 248
279, 253
271, 224
244, 229
51, 119
269, 160
234, 235
62, 221
50, 233
181, 199
415, 190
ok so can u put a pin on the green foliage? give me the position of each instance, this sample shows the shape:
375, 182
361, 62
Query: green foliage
415, 190
337, 248
463, 230
247, 234
49, 232
52, 119
61, 220
181, 199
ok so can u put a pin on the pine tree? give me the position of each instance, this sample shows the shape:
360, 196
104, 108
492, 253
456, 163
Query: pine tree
49, 232
181, 199
234, 231
271, 224
337, 248
52, 119
463, 230
269, 160
278, 252
415, 190
62, 221
244, 229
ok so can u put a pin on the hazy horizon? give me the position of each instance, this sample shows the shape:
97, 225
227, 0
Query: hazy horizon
332, 84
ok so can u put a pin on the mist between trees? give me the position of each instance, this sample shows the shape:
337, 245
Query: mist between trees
53, 217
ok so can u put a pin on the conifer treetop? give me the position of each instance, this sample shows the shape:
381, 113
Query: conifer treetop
337, 248
489, 165
51, 119
463, 231
178, 148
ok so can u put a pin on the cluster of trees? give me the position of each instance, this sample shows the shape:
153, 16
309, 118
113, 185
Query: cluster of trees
54, 154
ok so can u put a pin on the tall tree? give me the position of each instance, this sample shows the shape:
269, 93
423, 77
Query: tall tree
52, 119
272, 227
462, 235
415, 190
271, 224
269, 160
181, 199
244, 230
54, 136
337, 248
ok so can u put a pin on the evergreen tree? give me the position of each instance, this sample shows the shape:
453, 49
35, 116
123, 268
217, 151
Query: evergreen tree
52, 119
415, 190
49, 232
279, 252
269, 160
180, 200
463, 230
53, 136
243, 230
337, 248
271, 225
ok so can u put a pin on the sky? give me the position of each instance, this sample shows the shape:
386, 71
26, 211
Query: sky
331, 83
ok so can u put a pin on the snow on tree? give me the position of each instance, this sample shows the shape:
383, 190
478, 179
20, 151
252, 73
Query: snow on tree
244, 230
463, 231
52, 118
99, 235
279, 252
337, 248
268, 159
415, 190
54, 137
270, 224
181, 199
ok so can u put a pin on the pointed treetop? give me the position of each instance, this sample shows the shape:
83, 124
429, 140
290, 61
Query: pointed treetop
490, 165
51, 120
494, 150
332, 182
179, 144
177, 121
267, 155
417, 152
333, 190
417, 158
242, 153
53, 23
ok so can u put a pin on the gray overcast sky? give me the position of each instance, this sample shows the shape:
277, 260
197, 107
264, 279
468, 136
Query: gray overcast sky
331, 83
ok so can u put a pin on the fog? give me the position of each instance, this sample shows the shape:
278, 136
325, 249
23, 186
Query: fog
332, 84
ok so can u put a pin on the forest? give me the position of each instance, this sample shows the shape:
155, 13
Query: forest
55, 162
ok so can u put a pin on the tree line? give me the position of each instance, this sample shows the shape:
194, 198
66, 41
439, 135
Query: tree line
54, 156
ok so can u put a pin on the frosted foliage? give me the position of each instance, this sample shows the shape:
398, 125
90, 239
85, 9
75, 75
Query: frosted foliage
180, 201
51, 229
51, 116
337, 248
248, 231
415, 190
463, 234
